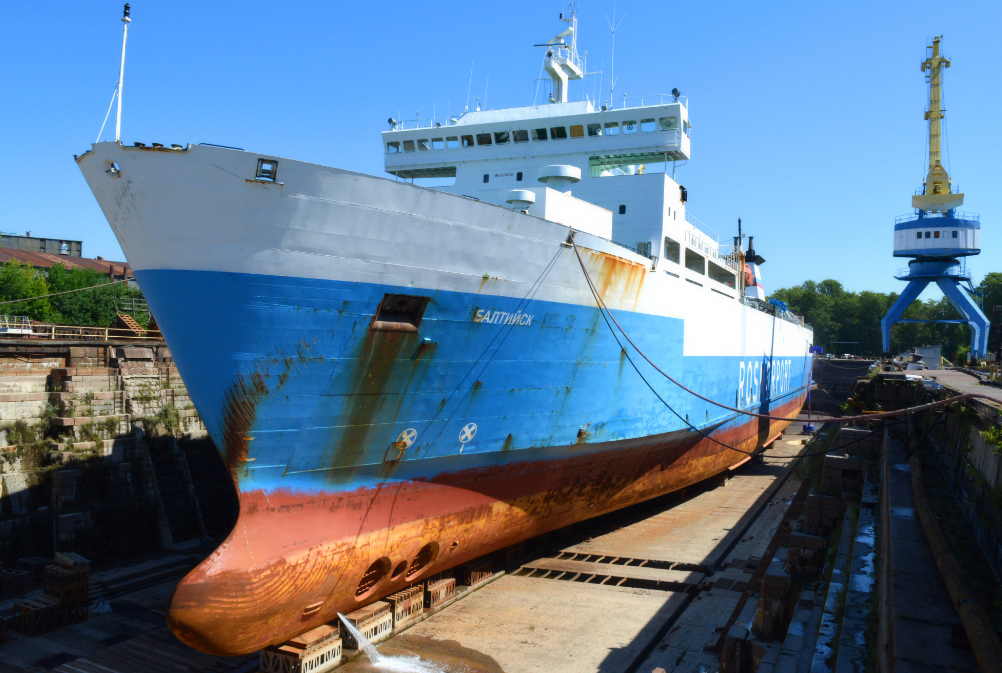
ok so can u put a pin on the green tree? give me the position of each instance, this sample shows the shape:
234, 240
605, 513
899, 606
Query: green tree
841, 316
93, 307
22, 281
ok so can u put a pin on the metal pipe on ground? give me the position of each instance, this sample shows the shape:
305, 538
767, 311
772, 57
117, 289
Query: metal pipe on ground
980, 632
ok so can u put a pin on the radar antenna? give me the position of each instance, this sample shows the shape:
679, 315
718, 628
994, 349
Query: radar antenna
562, 60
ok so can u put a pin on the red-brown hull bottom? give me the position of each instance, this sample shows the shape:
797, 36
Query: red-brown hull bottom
294, 559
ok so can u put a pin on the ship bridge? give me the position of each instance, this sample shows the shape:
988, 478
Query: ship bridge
607, 169
655, 131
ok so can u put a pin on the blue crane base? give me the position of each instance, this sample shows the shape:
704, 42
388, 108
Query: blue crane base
947, 275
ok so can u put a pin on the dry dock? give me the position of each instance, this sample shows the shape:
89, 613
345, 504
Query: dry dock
624, 592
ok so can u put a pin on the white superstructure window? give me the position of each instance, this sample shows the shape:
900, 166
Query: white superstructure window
452, 142
467, 141
558, 132
668, 123
423, 144
520, 136
594, 130
501, 137
408, 146
577, 131
483, 139
612, 128
437, 144
393, 148
630, 126
648, 125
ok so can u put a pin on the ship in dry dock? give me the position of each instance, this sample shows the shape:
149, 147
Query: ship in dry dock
402, 378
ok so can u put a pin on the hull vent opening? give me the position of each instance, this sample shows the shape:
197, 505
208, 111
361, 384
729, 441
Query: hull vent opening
423, 559
373, 576
399, 570
399, 313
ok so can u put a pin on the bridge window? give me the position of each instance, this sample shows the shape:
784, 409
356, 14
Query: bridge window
558, 132
928, 234
501, 137
437, 144
487, 178
630, 127
467, 141
955, 234
538, 134
518, 177
622, 210
408, 146
918, 234
520, 136
594, 130
483, 139
423, 145
452, 142
936, 234
612, 128
695, 262
673, 250
393, 148
577, 131
647, 125
668, 123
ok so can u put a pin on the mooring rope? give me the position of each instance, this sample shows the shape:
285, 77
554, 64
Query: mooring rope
605, 310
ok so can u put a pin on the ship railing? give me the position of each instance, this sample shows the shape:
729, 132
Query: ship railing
963, 271
624, 104
37, 330
773, 310
644, 101
911, 217
698, 224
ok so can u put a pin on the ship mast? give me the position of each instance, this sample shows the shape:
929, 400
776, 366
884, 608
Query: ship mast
121, 73
937, 196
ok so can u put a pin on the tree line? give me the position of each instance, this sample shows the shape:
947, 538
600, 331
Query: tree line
840, 317
97, 307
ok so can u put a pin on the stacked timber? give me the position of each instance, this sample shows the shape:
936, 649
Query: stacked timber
12, 582
843, 477
63, 600
439, 591
374, 621
474, 571
407, 605
315, 651
821, 514
776, 604
806, 554
509, 556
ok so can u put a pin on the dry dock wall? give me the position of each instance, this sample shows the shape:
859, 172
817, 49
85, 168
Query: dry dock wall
73, 477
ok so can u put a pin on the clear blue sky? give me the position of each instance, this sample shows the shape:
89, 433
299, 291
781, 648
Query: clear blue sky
807, 115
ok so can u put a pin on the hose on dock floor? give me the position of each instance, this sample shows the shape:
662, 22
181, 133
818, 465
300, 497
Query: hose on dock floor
980, 631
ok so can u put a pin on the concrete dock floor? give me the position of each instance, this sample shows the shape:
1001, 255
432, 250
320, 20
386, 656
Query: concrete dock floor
556, 615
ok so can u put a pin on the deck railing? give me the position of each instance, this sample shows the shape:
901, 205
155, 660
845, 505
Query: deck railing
42, 331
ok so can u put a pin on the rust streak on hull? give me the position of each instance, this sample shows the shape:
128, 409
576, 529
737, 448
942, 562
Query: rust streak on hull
290, 551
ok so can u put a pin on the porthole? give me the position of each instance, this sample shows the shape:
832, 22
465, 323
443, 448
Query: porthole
423, 559
379, 569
